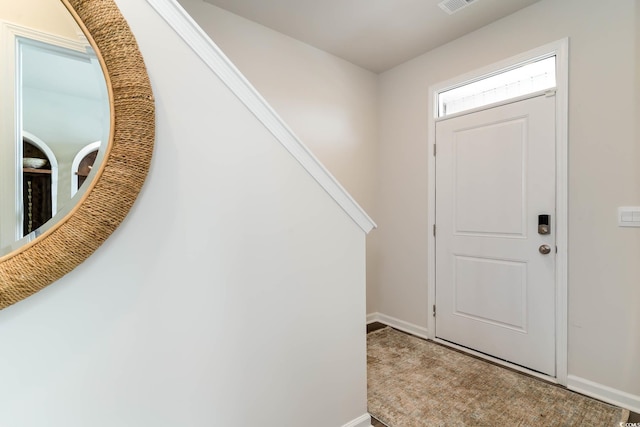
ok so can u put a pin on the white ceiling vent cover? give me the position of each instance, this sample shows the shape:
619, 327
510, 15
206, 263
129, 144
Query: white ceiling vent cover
452, 6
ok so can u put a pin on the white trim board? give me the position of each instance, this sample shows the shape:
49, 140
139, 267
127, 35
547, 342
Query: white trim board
560, 49
217, 61
361, 421
604, 393
398, 324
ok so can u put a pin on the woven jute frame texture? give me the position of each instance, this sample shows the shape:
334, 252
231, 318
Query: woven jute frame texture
123, 170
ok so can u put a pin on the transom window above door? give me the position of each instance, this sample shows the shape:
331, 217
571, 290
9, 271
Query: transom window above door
531, 77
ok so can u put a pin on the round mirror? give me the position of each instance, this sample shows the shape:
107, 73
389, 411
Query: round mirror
76, 136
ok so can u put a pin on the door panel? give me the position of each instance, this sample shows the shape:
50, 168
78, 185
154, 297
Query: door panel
478, 207
505, 281
495, 173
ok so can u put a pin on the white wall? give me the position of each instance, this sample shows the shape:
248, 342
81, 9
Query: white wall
232, 295
329, 103
604, 154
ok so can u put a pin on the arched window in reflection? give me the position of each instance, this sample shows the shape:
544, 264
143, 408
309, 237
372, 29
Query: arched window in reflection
82, 165
39, 183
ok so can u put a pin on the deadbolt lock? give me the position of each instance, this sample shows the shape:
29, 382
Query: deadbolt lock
543, 224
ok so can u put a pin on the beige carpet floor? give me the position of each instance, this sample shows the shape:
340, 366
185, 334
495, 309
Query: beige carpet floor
416, 383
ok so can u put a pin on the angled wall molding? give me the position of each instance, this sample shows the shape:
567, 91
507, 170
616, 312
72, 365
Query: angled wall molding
217, 61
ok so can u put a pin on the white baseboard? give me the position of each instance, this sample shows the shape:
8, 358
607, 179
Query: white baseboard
361, 421
407, 327
604, 393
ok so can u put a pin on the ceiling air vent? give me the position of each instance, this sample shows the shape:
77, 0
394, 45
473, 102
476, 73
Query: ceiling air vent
452, 6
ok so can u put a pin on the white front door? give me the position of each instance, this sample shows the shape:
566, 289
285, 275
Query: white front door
495, 177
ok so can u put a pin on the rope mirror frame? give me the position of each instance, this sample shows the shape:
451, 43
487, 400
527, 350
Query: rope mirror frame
120, 177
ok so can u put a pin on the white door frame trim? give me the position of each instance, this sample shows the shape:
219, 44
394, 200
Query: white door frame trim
560, 49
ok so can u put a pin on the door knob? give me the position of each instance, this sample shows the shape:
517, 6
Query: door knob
544, 249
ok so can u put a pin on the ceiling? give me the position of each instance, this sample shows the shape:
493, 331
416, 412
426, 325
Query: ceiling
374, 34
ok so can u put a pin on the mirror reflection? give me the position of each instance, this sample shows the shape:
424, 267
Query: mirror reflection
55, 116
